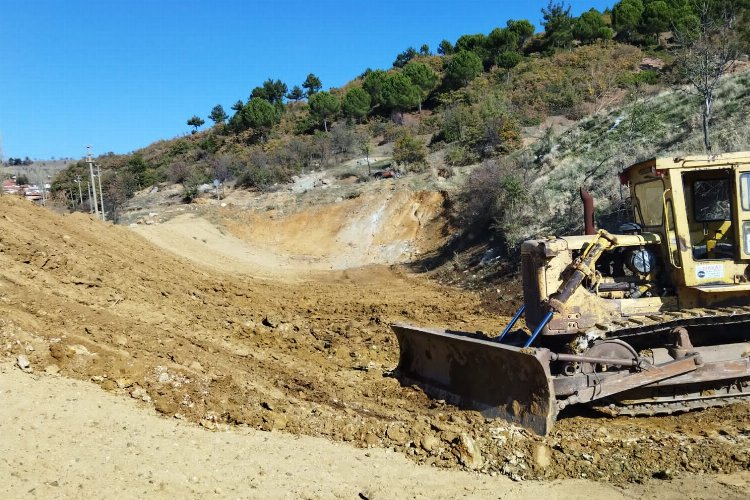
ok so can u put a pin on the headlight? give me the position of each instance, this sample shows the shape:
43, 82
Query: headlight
640, 261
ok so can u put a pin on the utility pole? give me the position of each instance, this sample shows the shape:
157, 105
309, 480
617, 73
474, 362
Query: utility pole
80, 194
101, 196
90, 161
91, 208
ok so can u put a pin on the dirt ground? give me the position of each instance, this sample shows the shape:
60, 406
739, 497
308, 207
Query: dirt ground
63, 438
235, 336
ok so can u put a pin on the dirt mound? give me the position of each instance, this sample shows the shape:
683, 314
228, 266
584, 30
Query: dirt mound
99, 302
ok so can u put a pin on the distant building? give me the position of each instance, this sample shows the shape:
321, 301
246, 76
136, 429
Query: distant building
30, 192
10, 187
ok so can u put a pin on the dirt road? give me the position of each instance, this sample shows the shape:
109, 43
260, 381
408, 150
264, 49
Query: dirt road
63, 438
307, 356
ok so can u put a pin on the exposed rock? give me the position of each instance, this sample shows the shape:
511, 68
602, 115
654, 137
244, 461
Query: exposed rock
348, 433
140, 393
371, 439
274, 421
542, 456
23, 362
109, 385
272, 321
285, 327
428, 442
123, 383
664, 474
267, 405
208, 424
51, 369
397, 434
165, 404
80, 350
449, 436
468, 452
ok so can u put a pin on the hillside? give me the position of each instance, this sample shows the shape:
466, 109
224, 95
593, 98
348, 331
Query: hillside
534, 191
485, 97
526, 192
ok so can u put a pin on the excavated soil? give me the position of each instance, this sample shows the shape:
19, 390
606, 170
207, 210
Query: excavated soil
203, 335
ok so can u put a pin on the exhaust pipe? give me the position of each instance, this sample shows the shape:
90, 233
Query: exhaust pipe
588, 212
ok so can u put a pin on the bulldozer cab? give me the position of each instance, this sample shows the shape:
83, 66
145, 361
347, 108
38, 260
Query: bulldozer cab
700, 206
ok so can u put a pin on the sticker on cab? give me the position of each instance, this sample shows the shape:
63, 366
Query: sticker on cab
709, 271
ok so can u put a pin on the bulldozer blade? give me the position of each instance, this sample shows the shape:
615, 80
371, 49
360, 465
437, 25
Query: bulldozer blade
500, 381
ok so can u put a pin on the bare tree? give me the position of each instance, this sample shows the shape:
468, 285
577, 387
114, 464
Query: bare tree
119, 187
366, 148
708, 51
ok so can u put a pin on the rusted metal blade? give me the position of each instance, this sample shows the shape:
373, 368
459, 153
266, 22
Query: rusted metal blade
498, 380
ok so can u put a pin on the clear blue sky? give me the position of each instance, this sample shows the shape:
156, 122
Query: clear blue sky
121, 74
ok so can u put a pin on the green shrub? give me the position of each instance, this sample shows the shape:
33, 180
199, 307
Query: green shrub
195, 177
457, 156
305, 124
189, 192
152, 176
645, 77
262, 177
429, 125
387, 129
209, 144
494, 200
410, 151
482, 129
180, 147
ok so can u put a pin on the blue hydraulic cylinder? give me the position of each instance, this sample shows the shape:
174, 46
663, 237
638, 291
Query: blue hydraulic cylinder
512, 323
539, 328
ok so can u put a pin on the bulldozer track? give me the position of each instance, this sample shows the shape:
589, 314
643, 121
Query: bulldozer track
650, 409
665, 321
633, 326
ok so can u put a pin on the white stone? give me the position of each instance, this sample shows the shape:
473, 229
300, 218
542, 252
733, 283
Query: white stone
23, 362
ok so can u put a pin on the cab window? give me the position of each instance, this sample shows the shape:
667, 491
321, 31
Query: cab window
650, 203
711, 200
745, 191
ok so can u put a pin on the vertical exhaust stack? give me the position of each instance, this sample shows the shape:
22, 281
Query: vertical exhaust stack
588, 212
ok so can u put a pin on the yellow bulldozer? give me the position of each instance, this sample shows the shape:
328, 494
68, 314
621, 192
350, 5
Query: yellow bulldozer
652, 320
